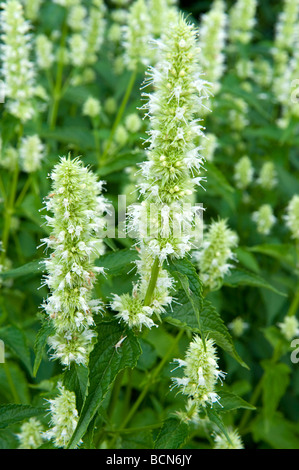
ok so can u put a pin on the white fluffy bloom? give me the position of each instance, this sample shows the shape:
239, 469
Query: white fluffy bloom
32, 152
64, 417
292, 216
17, 69
201, 372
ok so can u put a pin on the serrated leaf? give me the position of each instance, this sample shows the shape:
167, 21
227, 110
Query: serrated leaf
218, 176
215, 418
76, 380
14, 337
213, 326
11, 414
42, 336
239, 277
282, 252
275, 382
118, 262
230, 401
184, 271
172, 435
32, 268
105, 363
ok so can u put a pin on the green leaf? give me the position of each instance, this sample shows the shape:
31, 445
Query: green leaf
105, 363
119, 262
239, 277
215, 418
230, 401
278, 432
282, 252
210, 323
42, 336
75, 135
34, 267
184, 271
76, 380
218, 177
275, 382
123, 161
11, 414
213, 326
247, 259
172, 435
14, 337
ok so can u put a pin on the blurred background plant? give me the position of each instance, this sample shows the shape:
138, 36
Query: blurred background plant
73, 70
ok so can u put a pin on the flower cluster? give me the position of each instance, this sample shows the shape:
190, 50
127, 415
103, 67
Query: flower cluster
289, 327
264, 219
215, 253
268, 176
238, 326
234, 442
64, 417
292, 216
243, 174
242, 20
32, 152
32, 8
31, 434
87, 33
163, 223
44, 52
201, 372
286, 59
137, 36
75, 241
17, 69
212, 39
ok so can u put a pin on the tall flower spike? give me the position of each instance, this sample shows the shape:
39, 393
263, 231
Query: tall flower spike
32, 153
75, 241
268, 176
163, 223
17, 70
64, 417
292, 216
242, 20
214, 257
212, 38
243, 174
137, 36
201, 372
32, 8
264, 219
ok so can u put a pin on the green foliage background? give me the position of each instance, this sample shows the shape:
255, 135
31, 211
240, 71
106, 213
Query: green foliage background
129, 403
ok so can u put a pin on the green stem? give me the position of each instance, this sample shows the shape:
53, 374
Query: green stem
115, 393
152, 284
8, 213
11, 384
120, 114
259, 388
151, 380
24, 190
255, 396
294, 305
